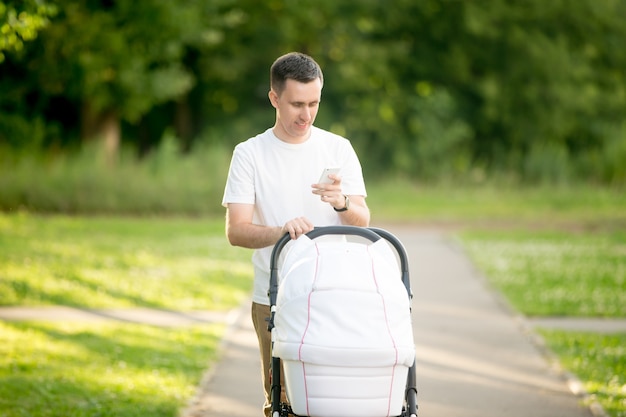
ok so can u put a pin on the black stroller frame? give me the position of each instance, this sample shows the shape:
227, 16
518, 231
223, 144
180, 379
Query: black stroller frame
280, 409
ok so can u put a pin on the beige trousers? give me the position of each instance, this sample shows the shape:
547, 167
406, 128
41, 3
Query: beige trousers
260, 314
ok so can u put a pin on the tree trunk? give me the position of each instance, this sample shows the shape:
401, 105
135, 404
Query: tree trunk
103, 127
183, 123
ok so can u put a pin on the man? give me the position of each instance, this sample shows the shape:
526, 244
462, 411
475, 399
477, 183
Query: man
274, 185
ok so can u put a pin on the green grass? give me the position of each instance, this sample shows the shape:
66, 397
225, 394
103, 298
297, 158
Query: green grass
169, 263
565, 273
76, 370
494, 205
111, 369
597, 360
555, 273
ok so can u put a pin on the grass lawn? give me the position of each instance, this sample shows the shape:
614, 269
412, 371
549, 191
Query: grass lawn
561, 273
108, 369
113, 262
576, 208
558, 243
597, 360
555, 273
111, 369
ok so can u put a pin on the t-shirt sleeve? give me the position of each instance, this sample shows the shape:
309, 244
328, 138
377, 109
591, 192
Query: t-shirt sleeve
352, 173
240, 182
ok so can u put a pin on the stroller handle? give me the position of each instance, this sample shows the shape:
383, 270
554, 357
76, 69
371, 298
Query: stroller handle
371, 233
323, 231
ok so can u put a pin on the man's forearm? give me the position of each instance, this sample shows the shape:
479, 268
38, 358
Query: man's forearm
357, 215
253, 236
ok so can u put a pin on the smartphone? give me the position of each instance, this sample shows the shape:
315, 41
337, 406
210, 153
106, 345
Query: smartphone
324, 177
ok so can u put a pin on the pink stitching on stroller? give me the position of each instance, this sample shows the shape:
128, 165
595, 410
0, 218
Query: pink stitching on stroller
343, 329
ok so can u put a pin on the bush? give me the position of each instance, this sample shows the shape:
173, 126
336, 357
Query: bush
164, 182
547, 163
19, 132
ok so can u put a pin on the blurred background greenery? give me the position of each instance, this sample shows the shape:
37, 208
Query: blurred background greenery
102, 100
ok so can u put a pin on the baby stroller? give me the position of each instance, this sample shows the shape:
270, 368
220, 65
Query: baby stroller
341, 325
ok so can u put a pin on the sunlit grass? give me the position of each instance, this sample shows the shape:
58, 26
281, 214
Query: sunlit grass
561, 273
599, 361
111, 369
498, 205
172, 263
557, 273
104, 369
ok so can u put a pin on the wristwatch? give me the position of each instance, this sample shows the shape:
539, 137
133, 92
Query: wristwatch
347, 205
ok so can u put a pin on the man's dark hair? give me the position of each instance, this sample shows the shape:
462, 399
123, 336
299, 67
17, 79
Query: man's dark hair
294, 66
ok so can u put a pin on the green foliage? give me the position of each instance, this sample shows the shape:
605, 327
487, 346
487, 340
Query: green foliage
166, 182
599, 361
118, 58
21, 133
20, 21
87, 369
436, 89
607, 162
547, 162
163, 182
95, 59
442, 149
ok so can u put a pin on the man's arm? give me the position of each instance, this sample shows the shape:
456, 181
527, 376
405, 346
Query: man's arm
358, 214
240, 230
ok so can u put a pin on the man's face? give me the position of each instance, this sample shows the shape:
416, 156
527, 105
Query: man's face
296, 108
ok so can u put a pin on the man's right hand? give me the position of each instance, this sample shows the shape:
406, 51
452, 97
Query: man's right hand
297, 227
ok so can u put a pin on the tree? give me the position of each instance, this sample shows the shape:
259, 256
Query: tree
114, 60
538, 87
428, 88
21, 21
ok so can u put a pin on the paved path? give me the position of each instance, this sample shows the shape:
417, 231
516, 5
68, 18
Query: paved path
233, 386
169, 318
155, 317
474, 358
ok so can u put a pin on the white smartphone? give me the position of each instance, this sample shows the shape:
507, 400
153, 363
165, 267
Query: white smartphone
324, 177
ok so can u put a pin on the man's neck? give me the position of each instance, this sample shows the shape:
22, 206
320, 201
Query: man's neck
285, 137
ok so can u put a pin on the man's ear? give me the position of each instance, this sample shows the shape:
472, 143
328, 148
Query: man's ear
273, 98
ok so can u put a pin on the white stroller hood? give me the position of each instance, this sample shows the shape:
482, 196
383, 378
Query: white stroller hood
343, 328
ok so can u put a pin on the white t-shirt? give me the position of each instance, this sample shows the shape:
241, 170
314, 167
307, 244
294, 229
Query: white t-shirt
276, 177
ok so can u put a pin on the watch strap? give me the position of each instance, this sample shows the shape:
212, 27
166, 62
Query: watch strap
347, 206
